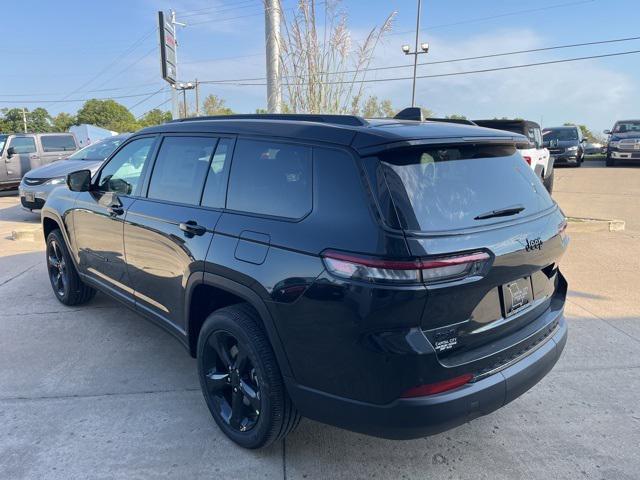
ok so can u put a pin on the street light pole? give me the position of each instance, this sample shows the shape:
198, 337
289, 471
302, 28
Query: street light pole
415, 57
183, 87
424, 47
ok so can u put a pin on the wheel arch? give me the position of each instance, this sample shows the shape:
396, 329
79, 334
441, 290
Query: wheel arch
232, 293
51, 221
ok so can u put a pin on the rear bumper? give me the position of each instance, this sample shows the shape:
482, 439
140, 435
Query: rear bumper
420, 417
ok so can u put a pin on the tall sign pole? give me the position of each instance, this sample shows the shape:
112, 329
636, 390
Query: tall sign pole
415, 57
272, 18
169, 55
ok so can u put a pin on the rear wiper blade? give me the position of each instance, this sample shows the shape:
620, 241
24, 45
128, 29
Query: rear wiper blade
503, 212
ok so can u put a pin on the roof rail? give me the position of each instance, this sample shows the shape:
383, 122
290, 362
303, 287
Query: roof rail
410, 113
352, 120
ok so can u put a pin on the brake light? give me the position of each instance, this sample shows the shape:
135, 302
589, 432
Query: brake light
527, 159
439, 387
428, 270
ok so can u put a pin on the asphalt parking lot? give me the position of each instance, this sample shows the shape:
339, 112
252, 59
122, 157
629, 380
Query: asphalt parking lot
98, 392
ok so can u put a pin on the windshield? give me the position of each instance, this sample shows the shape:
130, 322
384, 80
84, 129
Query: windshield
626, 127
561, 134
445, 188
99, 150
3, 140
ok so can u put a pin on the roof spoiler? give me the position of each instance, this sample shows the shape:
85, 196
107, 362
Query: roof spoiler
410, 113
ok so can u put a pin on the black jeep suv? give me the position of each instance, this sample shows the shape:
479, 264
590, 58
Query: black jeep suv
395, 278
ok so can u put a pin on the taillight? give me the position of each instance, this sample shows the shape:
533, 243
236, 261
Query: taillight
439, 387
427, 270
527, 159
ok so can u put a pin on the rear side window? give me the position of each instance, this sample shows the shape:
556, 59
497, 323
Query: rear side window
271, 179
23, 145
180, 169
58, 143
215, 189
442, 188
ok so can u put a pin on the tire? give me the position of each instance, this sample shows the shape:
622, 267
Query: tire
548, 182
237, 366
67, 286
610, 162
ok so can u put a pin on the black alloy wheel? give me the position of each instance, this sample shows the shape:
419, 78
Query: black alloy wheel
231, 381
241, 380
58, 273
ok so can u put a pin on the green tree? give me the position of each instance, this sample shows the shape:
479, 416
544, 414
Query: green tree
214, 105
107, 114
63, 121
38, 120
372, 107
155, 117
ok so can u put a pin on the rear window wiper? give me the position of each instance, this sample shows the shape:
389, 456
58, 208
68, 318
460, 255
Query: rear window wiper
503, 212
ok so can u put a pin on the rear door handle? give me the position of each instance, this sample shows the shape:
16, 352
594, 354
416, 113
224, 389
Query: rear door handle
191, 228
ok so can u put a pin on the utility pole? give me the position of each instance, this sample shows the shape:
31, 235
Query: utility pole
24, 119
197, 98
407, 51
272, 18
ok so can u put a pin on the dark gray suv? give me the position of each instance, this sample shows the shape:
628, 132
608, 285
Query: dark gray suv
395, 278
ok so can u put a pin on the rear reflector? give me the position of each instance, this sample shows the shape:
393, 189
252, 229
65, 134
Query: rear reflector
527, 159
439, 387
428, 270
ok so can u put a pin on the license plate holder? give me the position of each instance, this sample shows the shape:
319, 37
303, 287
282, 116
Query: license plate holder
30, 197
516, 296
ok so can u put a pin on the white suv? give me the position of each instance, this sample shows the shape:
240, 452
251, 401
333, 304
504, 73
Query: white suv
536, 155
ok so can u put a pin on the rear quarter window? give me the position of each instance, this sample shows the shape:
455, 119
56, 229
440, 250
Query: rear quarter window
270, 178
58, 143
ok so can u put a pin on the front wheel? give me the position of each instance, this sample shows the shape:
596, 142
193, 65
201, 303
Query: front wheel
65, 281
240, 379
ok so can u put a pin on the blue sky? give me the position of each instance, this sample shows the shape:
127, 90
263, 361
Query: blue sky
71, 50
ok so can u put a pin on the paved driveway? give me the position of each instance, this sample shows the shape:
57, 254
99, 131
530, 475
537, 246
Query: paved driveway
98, 392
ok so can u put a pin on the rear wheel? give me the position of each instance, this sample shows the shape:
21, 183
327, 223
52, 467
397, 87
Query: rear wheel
240, 379
548, 181
65, 281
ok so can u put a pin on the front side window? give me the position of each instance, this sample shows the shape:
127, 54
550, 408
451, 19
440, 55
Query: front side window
122, 173
180, 169
58, 143
271, 178
23, 145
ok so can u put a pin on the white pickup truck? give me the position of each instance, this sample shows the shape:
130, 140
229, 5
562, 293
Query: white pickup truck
536, 155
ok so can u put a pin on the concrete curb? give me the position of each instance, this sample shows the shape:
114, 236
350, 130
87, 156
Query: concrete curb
577, 224
31, 235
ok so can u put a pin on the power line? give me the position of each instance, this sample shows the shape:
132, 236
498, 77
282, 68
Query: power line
492, 17
439, 62
218, 9
468, 72
157, 106
128, 87
147, 98
77, 99
128, 67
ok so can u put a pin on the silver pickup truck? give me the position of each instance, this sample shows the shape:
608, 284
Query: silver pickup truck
22, 152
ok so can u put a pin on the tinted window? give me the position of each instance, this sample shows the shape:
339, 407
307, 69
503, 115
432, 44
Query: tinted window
58, 143
216, 188
99, 150
23, 145
122, 173
446, 188
561, 134
180, 169
271, 179
626, 127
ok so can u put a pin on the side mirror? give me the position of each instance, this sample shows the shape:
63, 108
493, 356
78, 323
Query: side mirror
584, 140
607, 132
79, 181
11, 151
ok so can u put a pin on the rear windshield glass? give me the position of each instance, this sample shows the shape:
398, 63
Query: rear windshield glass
58, 143
441, 188
99, 150
561, 134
